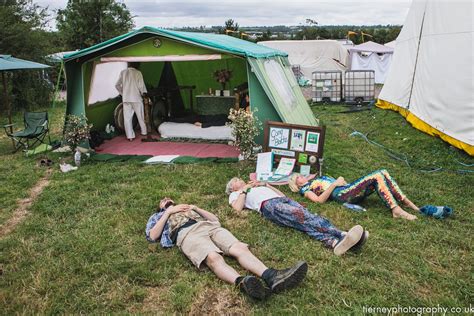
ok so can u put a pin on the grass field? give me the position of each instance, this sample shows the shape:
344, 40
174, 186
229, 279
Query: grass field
82, 248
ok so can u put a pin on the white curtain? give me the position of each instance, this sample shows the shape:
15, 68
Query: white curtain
103, 81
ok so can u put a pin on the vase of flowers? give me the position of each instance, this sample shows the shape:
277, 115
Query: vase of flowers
222, 76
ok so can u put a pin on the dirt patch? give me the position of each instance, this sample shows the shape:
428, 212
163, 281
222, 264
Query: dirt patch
155, 302
24, 204
219, 302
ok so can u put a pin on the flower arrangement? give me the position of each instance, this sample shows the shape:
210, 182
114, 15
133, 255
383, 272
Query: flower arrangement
245, 127
76, 130
222, 76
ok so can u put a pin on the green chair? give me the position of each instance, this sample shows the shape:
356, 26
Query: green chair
36, 130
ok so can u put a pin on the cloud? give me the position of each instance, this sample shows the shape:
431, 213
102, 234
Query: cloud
168, 13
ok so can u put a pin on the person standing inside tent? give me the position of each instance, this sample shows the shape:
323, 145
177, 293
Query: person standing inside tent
131, 87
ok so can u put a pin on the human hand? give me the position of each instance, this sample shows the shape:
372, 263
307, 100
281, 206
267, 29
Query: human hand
177, 209
192, 207
340, 181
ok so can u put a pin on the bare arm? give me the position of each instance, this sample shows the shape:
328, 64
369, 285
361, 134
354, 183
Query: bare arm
327, 193
239, 204
207, 215
157, 230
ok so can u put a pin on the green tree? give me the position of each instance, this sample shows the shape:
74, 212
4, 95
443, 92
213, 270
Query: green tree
231, 25
22, 36
86, 23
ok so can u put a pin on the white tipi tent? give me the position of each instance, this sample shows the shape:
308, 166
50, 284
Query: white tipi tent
431, 80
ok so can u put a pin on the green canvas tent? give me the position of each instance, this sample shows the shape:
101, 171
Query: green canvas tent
194, 57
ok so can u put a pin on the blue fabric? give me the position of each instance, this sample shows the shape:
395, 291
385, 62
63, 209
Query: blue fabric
438, 212
284, 211
165, 240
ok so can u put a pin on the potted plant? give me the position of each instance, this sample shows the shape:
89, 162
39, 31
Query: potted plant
223, 76
245, 127
76, 131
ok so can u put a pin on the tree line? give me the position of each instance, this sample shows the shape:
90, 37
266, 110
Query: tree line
24, 34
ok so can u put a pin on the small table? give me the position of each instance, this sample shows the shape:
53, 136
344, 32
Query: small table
214, 105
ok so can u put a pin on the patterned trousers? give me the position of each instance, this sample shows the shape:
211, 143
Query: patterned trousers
378, 181
286, 212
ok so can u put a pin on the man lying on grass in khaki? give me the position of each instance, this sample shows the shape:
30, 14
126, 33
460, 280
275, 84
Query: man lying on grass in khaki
199, 235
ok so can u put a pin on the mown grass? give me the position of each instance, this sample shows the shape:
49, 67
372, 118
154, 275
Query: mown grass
82, 248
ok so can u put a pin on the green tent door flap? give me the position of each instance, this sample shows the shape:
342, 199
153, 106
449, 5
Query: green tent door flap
279, 83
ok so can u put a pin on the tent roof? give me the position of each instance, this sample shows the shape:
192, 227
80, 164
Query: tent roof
219, 42
371, 47
391, 44
7, 62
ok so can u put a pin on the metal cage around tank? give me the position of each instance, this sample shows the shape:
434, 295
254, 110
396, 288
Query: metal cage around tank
359, 86
327, 86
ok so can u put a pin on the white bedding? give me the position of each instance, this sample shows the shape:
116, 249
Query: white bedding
186, 130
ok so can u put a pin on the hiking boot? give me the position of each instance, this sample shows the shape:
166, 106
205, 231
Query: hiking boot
289, 278
349, 240
361, 242
252, 286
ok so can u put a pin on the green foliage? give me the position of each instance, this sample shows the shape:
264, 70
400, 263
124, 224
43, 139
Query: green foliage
245, 127
76, 130
21, 36
377, 33
85, 23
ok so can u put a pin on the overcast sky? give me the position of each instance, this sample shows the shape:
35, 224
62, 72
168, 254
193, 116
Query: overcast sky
169, 13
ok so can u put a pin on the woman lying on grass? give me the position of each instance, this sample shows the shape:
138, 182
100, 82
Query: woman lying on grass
273, 205
321, 189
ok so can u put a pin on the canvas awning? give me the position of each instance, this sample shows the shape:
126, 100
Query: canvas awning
7, 63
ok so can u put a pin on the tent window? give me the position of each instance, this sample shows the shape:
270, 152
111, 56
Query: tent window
103, 81
280, 82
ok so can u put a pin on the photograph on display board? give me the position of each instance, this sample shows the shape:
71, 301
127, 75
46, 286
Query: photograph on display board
279, 137
312, 142
297, 139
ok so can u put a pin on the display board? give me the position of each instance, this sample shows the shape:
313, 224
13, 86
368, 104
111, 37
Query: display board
303, 143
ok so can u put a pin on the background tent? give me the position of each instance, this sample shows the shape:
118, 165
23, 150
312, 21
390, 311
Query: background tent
431, 81
372, 56
184, 59
391, 44
314, 55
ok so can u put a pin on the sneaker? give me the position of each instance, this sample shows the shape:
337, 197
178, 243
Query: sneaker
288, 278
349, 240
252, 286
361, 241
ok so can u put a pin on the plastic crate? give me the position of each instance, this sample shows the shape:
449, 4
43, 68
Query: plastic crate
327, 86
359, 86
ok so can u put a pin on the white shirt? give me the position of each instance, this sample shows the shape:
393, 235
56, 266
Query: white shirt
130, 85
255, 197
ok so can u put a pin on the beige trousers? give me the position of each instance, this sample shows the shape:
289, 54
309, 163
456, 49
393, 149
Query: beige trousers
130, 108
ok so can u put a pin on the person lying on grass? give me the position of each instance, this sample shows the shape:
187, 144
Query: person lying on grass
325, 188
273, 205
199, 235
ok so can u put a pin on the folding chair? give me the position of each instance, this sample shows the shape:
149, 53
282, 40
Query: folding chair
36, 130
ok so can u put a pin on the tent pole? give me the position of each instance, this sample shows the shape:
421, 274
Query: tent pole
416, 58
57, 84
7, 104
